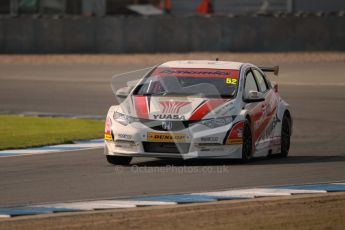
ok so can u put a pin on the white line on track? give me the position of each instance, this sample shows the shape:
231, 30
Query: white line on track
259, 192
77, 146
105, 204
88, 206
339, 183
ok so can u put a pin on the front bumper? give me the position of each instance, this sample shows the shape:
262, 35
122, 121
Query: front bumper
198, 141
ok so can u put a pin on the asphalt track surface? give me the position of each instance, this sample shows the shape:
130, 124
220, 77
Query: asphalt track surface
316, 92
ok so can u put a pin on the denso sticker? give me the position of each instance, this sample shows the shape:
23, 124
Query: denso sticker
209, 139
124, 136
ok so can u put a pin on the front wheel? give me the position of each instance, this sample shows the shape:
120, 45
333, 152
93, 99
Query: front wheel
247, 146
285, 136
118, 160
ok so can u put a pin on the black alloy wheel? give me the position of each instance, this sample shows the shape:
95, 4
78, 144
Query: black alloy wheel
247, 146
285, 136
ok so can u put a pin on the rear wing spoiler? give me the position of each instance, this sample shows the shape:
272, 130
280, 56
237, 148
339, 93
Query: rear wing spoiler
274, 69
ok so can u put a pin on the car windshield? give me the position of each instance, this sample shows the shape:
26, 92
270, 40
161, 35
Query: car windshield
189, 82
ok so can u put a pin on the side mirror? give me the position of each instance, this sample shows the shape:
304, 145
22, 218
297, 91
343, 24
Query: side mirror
254, 96
133, 83
122, 93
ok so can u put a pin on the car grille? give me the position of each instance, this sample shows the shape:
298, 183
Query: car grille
166, 147
175, 126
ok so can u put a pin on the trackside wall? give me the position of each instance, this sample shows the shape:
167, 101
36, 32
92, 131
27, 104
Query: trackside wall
170, 34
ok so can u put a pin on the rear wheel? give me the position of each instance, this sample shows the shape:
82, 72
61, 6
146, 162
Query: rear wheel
285, 136
247, 146
118, 160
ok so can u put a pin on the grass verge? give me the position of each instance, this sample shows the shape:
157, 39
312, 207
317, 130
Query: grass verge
23, 132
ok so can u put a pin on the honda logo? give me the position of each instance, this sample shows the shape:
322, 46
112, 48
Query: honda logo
167, 125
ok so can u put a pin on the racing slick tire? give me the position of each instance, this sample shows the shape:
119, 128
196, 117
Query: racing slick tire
285, 136
247, 146
118, 160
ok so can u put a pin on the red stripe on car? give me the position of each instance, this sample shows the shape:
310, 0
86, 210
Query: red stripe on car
206, 108
140, 103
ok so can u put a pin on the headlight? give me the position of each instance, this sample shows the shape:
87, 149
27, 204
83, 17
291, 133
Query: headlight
124, 119
216, 122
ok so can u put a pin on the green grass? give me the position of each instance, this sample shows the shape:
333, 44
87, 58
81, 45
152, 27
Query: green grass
22, 132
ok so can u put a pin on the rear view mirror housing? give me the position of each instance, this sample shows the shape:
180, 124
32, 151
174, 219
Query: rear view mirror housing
123, 93
254, 96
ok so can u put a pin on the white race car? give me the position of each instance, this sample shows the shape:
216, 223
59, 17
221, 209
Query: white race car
198, 109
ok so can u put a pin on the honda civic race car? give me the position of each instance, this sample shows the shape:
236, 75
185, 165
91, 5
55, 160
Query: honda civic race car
198, 109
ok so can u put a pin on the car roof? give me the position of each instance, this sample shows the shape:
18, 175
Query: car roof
202, 64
